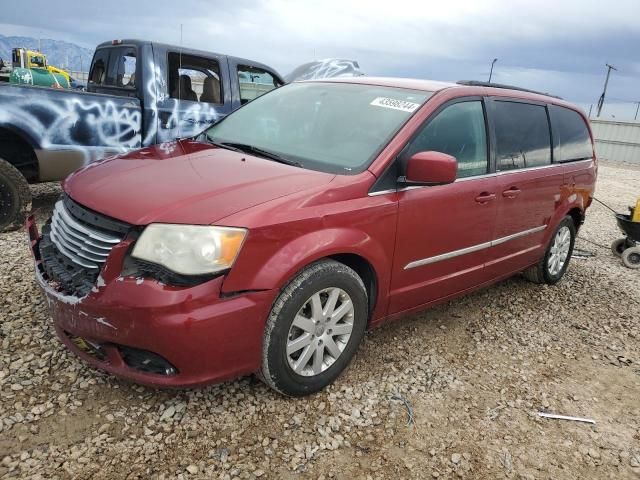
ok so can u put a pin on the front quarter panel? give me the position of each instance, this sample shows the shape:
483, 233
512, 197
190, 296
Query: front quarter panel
275, 252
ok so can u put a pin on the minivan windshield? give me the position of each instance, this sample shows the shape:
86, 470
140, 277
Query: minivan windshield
331, 127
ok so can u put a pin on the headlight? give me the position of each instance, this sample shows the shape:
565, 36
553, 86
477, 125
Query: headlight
190, 249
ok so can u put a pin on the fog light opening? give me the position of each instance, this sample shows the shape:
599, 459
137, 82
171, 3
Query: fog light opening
146, 361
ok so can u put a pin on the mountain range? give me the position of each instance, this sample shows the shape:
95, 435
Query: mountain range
59, 53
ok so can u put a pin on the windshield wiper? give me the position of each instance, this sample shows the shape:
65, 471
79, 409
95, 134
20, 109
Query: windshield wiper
244, 147
221, 144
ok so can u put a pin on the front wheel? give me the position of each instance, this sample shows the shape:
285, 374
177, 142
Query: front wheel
555, 261
314, 328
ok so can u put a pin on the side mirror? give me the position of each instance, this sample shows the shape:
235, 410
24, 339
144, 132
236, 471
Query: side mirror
430, 168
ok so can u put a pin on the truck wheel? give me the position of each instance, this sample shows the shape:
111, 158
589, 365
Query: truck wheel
556, 257
314, 328
15, 197
631, 257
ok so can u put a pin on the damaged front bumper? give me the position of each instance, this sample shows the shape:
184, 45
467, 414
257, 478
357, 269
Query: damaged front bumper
155, 334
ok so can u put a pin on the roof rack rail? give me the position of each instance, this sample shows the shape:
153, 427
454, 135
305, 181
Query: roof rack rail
476, 83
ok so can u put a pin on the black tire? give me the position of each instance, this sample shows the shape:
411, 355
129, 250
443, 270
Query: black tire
15, 197
618, 246
631, 257
540, 273
276, 371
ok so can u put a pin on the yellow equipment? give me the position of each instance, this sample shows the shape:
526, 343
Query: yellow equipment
23, 58
636, 212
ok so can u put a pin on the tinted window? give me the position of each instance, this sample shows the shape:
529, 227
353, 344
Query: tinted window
99, 68
522, 135
458, 130
194, 78
571, 136
254, 82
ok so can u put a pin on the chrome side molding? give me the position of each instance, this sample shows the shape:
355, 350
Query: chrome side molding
473, 248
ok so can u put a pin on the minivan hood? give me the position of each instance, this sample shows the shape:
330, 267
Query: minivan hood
184, 182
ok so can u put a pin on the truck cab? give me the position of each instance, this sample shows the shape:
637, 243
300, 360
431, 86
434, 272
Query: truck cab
139, 93
180, 90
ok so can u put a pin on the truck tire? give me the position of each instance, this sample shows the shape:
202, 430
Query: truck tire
15, 197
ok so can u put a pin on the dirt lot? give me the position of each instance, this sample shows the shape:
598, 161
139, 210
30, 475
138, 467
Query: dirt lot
473, 372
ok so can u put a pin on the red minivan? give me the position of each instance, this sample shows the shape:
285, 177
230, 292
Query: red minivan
269, 243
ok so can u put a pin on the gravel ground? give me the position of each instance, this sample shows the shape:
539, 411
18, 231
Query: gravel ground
473, 374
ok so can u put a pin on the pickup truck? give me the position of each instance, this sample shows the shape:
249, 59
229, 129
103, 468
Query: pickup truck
139, 93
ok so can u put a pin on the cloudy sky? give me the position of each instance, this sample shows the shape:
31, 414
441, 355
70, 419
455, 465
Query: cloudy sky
555, 46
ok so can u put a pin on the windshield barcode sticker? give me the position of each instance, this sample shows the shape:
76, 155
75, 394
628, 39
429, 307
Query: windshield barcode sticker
395, 104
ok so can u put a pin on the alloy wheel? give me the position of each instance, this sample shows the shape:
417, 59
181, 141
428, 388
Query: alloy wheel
559, 250
320, 331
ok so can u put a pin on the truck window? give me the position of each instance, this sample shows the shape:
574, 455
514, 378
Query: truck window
122, 67
194, 78
98, 72
254, 82
37, 61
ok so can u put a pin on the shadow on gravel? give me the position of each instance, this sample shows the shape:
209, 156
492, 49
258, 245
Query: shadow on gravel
44, 198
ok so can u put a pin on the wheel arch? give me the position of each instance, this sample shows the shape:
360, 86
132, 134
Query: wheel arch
352, 247
365, 271
17, 149
577, 214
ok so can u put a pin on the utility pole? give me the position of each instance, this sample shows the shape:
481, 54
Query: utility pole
604, 92
491, 71
637, 108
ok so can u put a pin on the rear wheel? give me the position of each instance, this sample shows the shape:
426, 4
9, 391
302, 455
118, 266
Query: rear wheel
314, 328
15, 197
553, 265
631, 257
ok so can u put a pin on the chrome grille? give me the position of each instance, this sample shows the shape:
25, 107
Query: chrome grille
84, 246
75, 244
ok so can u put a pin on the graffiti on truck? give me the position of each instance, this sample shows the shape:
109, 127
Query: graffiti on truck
96, 125
328, 68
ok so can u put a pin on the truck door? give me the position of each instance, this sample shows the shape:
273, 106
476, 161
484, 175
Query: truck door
196, 94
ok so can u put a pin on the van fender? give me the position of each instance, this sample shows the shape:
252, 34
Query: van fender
568, 203
283, 264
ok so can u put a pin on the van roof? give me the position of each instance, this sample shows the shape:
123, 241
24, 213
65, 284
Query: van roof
471, 87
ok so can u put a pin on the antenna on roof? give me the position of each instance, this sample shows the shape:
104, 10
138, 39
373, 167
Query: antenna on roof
179, 75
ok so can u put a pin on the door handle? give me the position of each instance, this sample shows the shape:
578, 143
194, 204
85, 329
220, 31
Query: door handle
513, 192
485, 197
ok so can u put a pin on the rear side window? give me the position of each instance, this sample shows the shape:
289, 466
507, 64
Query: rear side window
194, 78
522, 135
459, 131
571, 135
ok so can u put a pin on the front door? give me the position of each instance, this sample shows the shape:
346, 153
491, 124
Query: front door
444, 232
